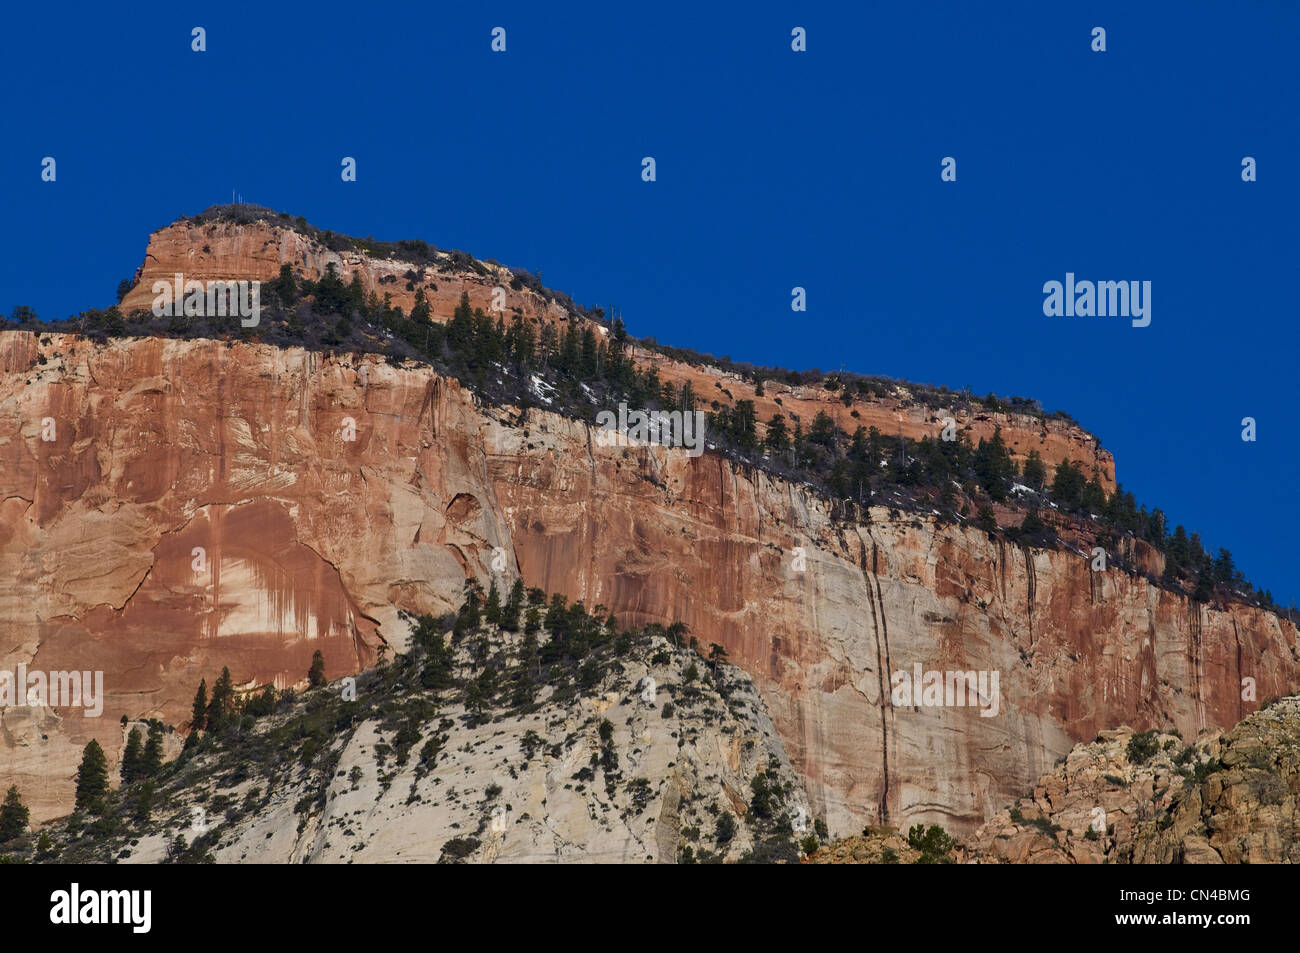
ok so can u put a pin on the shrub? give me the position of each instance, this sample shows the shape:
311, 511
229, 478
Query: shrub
13, 815
1142, 747
725, 829
457, 849
934, 843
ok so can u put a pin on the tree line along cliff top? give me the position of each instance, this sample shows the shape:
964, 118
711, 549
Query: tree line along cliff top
588, 360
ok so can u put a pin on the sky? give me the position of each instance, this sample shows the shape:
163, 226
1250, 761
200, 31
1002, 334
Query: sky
774, 169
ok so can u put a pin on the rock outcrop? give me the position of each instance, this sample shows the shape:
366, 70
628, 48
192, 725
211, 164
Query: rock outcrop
1227, 797
656, 757
173, 506
1131, 797
231, 251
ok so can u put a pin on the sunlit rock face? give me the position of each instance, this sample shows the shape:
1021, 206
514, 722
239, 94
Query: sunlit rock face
658, 536
200, 504
227, 251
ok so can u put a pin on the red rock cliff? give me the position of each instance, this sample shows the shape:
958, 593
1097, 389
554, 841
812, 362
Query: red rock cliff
313, 540
232, 252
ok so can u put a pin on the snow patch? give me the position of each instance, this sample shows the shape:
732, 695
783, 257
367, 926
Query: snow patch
540, 388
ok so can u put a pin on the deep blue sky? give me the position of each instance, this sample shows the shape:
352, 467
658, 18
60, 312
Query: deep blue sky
775, 168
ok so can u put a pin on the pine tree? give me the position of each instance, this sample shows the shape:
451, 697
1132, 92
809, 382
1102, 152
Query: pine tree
524, 347
859, 451
1201, 560
1094, 496
1179, 551
460, 329
177, 848
1204, 589
743, 425
993, 466
331, 294
286, 289
839, 480
489, 345
529, 650
1067, 487
470, 614
199, 714
1032, 525
589, 365
571, 349
92, 777
316, 674
420, 311
13, 816
438, 660
1035, 474
492, 611
152, 758
131, 757
514, 605
222, 703
546, 344
777, 437
144, 802
822, 431
1156, 528
1225, 570
356, 294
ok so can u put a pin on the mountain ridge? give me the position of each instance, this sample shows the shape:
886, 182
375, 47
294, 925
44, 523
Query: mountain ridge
166, 443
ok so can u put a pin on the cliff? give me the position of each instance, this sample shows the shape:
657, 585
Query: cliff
311, 540
1142, 797
255, 251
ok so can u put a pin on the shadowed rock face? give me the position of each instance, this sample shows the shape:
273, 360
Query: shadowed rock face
311, 540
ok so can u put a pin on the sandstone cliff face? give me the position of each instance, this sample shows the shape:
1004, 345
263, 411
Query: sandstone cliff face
255, 252
654, 535
234, 252
313, 540
201, 506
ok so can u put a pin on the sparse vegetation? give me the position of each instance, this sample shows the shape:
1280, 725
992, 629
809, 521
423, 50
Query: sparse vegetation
1142, 747
498, 360
934, 843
